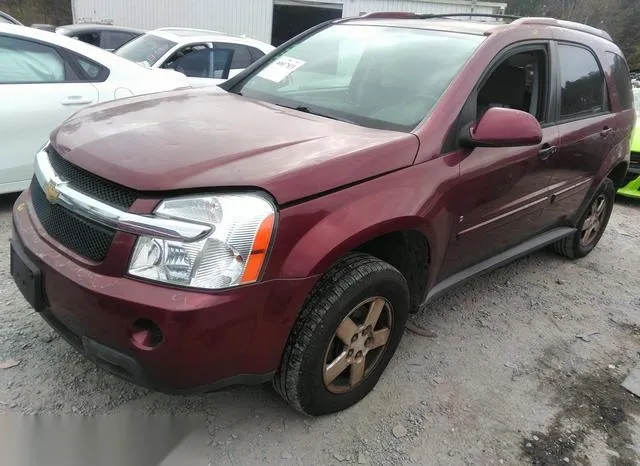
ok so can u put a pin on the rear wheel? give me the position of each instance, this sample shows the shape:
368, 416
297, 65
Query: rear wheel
592, 224
345, 335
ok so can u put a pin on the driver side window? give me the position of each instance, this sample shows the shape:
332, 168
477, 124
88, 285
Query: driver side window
519, 82
198, 66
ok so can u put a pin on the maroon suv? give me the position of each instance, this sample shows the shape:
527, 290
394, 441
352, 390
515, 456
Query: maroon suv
283, 228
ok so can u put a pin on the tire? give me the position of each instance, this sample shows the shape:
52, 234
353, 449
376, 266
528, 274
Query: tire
345, 295
573, 246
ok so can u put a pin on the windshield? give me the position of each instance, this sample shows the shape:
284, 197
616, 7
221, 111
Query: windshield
146, 49
380, 77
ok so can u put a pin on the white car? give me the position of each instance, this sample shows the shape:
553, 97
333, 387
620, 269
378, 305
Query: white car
206, 57
47, 77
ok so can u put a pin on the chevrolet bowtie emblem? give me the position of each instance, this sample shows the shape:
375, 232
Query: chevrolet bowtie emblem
51, 192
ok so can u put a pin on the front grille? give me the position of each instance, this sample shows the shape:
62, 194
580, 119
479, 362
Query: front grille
90, 184
80, 235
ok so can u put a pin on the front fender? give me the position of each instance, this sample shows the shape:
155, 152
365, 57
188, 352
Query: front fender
315, 234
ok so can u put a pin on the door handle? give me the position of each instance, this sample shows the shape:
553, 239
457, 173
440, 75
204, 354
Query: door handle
605, 133
548, 151
76, 100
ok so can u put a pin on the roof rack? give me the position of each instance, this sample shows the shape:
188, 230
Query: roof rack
565, 24
208, 31
408, 15
517, 20
469, 15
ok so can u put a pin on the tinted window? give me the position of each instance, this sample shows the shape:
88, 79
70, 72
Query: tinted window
146, 49
582, 80
519, 83
241, 56
183, 52
375, 76
622, 77
93, 71
92, 38
23, 61
111, 40
255, 54
205, 63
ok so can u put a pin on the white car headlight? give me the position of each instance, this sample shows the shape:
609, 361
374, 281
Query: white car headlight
234, 253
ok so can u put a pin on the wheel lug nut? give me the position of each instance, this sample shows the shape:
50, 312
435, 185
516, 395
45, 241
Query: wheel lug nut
354, 338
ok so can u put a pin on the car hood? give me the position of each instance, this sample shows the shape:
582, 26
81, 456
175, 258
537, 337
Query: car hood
207, 138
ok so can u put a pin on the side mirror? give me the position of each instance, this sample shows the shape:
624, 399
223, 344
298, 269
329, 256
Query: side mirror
503, 127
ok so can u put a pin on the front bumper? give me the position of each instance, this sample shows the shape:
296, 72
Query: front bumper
209, 340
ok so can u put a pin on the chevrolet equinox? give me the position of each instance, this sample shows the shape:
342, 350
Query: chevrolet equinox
284, 226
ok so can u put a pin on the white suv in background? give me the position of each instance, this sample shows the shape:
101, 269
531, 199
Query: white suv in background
206, 57
47, 77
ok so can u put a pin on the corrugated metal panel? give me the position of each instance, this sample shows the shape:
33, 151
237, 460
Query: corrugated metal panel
356, 7
250, 17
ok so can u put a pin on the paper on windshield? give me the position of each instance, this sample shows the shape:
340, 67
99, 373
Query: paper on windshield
281, 68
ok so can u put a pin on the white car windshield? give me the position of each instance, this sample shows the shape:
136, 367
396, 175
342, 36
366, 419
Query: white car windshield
375, 76
146, 49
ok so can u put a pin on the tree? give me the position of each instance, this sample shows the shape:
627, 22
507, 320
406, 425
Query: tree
55, 12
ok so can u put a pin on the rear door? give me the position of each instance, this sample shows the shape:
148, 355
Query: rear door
586, 126
39, 89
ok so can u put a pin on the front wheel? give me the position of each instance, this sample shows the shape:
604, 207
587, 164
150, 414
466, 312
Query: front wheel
591, 225
345, 335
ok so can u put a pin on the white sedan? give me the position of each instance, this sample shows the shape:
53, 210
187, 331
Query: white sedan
206, 57
47, 77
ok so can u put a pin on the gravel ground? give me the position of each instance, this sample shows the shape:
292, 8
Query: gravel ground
506, 380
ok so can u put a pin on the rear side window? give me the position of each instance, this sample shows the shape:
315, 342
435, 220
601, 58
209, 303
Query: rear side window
582, 83
112, 40
622, 76
92, 38
91, 71
241, 55
255, 54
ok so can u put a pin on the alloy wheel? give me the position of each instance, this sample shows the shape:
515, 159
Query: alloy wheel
357, 345
594, 222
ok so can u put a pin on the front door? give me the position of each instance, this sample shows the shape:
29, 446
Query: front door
503, 192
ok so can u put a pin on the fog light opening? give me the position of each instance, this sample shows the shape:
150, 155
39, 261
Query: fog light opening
146, 334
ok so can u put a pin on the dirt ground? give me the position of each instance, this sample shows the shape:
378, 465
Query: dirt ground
507, 380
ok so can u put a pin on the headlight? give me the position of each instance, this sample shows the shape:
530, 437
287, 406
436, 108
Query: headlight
233, 254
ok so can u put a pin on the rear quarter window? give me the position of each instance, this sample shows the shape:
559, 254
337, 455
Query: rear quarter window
620, 71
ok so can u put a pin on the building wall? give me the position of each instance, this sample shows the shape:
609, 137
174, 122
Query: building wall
355, 7
252, 18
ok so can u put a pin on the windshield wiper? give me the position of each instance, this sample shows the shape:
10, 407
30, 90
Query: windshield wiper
305, 109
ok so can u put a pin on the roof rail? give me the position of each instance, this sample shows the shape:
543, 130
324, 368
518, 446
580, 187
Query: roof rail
517, 20
565, 24
391, 15
189, 29
468, 15
408, 15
